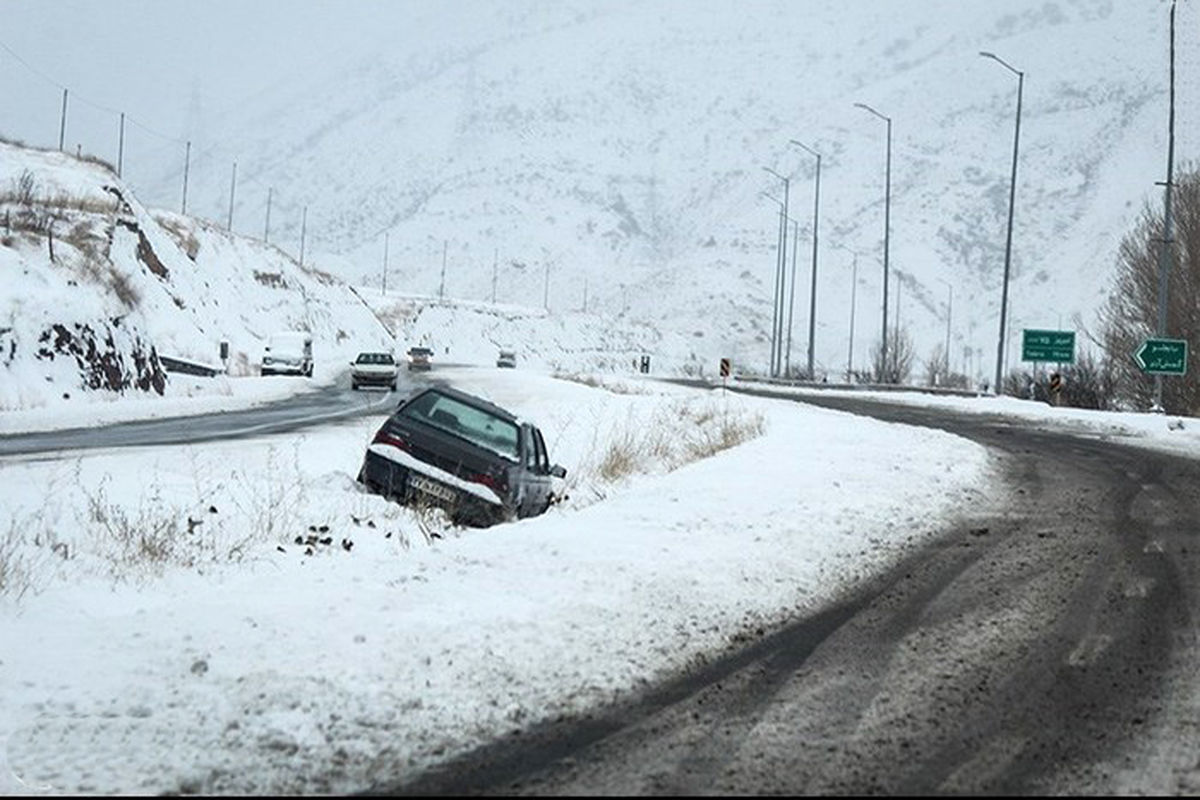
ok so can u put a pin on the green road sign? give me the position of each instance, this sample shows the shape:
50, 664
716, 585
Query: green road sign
1162, 356
1056, 346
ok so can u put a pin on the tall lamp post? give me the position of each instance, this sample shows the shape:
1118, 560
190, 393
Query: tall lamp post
776, 311
1164, 253
949, 316
780, 278
1012, 196
887, 227
812, 305
853, 305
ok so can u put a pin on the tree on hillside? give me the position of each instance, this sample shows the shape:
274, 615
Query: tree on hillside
1130, 314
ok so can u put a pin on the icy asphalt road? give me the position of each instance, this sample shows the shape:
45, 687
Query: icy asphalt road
328, 403
1051, 649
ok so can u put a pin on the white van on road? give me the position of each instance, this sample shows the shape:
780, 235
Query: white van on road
288, 353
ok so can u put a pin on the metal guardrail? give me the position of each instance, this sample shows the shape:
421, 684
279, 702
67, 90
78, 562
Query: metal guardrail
183, 365
864, 387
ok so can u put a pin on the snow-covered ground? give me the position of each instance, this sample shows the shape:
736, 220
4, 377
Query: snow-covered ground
175, 636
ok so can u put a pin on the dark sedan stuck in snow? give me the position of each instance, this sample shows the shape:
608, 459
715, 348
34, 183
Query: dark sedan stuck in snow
450, 449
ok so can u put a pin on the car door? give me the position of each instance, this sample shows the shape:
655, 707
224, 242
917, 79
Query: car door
541, 480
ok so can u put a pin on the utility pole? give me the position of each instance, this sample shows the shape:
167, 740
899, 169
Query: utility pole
1165, 250
442, 285
121, 145
385, 264
303, 231
187, 159
62, 125
232, 184
495, 268
267, 226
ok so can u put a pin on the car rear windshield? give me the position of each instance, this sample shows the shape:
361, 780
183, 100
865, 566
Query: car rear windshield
474, 424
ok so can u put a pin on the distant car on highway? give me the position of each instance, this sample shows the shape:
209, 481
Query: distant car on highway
288, 353
507, 358
452, 450
420, 358
373, 369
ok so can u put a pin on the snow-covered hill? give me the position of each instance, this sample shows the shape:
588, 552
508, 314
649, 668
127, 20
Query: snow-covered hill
98, 289
616, 147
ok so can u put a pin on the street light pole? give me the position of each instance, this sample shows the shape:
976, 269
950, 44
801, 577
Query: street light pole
776, 309
791, 309
812, 304
776, 364
1164, 253
887, 227
949, 316
853, 293
1012, 196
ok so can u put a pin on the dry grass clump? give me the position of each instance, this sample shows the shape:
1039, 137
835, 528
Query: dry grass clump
16, 567
597, 382
674, 435
184, 238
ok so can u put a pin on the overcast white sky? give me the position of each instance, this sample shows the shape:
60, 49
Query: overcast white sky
149, 59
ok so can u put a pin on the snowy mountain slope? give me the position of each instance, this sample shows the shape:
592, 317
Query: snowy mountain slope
621, 143
125, 286
98, 288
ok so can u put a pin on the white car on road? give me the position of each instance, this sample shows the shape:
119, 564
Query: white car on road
373, 369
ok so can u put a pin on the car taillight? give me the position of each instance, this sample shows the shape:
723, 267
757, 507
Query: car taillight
490, 481
384, 436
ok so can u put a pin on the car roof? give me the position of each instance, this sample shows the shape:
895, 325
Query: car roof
471, 400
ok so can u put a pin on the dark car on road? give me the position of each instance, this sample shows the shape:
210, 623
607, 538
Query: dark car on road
446, 448
420, 358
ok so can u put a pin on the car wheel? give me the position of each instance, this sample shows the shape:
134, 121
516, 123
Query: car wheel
353, 386
393, 386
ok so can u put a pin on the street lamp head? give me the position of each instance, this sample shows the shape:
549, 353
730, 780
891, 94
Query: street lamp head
806, 147
776, 174
866, 107
1001, 62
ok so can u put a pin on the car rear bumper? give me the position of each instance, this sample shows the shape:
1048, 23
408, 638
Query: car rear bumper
384, 476
368, 379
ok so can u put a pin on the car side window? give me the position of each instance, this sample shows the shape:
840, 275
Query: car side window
543, 460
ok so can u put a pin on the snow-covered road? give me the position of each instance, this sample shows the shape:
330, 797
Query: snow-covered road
237, 663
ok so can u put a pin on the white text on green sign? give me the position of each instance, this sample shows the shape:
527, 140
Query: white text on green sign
1056, 346
1162, 356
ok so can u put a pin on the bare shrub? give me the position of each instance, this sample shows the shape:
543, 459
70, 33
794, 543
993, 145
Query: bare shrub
139, 541
24, 189
597, 382
100, 162
184, 238
675, 435
121, 286
16, 567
